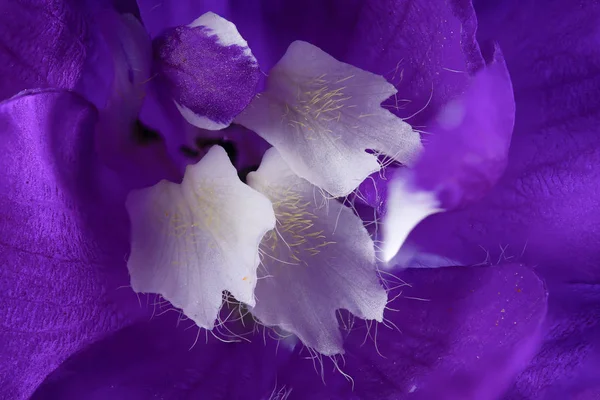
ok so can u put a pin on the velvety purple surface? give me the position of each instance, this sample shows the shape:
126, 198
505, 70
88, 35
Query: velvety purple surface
165, 358
212, 80
53, 43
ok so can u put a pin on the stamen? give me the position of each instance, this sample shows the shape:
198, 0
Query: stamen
322, 115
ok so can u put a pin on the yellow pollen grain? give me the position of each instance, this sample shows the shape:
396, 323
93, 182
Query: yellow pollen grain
202, 215
318, 102
295, 233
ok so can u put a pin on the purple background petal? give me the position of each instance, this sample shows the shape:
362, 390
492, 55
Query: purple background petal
568, 362
544, 209
166, 359
464, 334
467, 150
63, 243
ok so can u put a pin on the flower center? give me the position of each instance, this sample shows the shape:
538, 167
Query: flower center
280, 242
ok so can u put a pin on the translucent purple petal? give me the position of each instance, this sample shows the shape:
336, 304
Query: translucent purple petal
543, 209
467, 150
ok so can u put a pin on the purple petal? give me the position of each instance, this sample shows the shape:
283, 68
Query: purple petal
63, 243
156, 359
568, 362
464, 157
468, 147
428, 51
543, 210
160, 114
120, 139
464, 334
53, 44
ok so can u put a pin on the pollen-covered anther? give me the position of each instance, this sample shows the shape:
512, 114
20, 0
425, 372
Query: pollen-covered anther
318, 259
322, 115
191, 241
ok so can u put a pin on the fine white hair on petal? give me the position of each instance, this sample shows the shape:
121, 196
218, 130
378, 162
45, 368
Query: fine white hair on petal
322, 114
405, 209
225, 31
191, 241
318, 259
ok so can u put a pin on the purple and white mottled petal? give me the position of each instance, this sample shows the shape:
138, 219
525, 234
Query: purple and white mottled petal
322, 114
191, 241
427, 50
465, 156
208, 70
318, 259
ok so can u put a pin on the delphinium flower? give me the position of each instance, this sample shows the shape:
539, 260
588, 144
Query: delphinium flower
153, 145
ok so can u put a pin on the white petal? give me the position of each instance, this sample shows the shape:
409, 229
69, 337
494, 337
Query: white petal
322, 114
319, 258
405, 209
199, 121
226, 31
191, 241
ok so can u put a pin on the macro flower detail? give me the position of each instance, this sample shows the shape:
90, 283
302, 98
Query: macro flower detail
208, 70
318, 259
318, 248
191, 241
322, 115
406, 212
